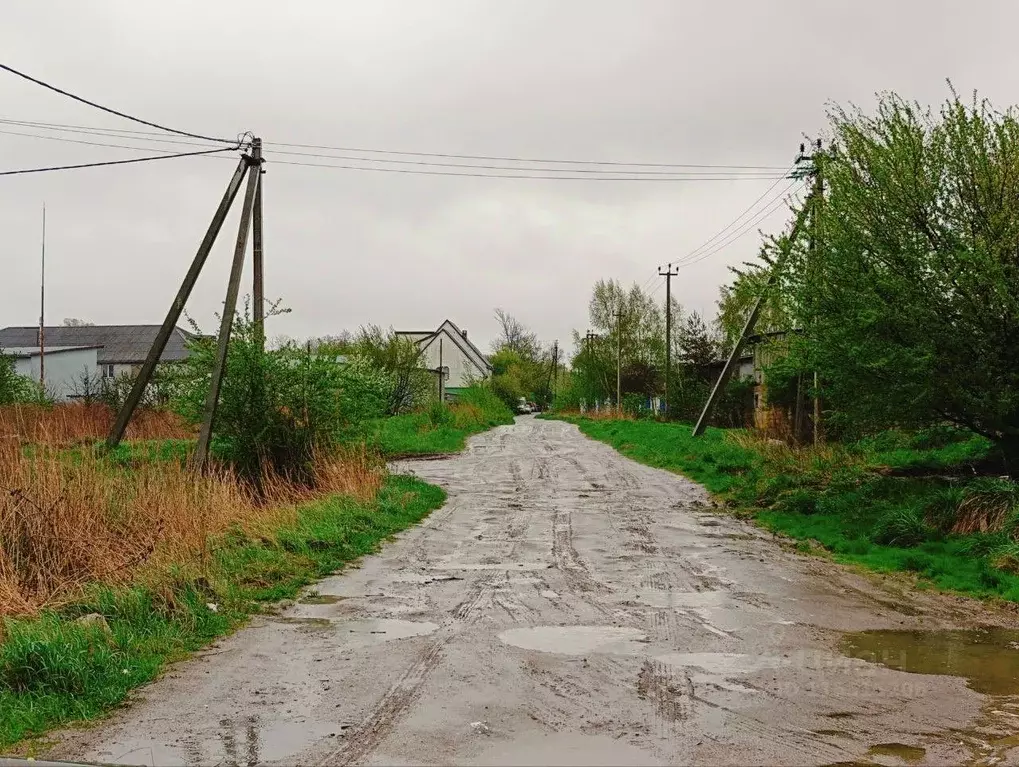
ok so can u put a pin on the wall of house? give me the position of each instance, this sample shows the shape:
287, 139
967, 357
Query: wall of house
64, 370
462, 371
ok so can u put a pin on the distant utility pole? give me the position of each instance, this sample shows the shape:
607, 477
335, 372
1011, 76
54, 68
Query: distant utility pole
42, 307
668, 274
552, 372
442, 376
619, 360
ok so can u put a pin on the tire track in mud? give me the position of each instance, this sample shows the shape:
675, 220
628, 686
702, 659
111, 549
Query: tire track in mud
669, 693
365, 737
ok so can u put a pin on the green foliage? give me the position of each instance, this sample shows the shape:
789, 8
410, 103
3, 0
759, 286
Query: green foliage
437, 429
277, 406
55, 670
17, 389
904, 527
399, 377
911, 299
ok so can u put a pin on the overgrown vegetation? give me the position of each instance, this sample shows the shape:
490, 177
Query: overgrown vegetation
62, 666
929, 503
439, 428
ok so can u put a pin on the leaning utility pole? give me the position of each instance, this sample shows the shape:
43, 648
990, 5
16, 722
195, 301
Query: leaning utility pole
247, 163
668, 274
748, 327
226, 322
552, 372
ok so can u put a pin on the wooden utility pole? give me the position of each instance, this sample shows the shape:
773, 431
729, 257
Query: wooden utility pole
748, 327
170, 322
258, 282
42, 309
442, 376
619, 360
226, 321
668, 274
817, 200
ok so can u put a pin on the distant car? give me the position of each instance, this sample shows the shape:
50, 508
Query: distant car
524, 407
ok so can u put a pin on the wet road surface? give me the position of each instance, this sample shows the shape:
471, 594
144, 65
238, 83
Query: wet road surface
567, 606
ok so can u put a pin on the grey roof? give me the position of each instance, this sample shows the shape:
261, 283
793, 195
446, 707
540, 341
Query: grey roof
121, 344
24, 352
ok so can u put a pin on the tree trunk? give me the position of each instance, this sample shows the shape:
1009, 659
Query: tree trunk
1009, 445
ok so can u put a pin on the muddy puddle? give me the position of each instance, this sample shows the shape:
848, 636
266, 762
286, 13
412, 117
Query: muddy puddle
321, 599
987, 658
576, 640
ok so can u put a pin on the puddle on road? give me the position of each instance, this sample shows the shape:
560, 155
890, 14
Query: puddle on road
321, 599
908, 754
681, 599
521, 566
577, 640
359, 633
723, 663
562, 749
987, 658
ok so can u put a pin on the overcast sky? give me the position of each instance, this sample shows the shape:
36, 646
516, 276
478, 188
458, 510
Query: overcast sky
649, 81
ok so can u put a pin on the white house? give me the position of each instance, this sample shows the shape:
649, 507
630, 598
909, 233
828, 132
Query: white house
459, 356
66, 367
116, 350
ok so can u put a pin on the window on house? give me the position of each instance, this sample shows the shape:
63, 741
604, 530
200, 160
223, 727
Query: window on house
107, 371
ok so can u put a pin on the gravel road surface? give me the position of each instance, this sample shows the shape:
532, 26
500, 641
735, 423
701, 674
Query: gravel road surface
567, 606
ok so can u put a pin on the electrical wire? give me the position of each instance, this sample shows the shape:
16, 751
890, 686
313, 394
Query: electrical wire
115, 162
620, 177
69, 95
746, 229
736, 220
96, 143
113, 131
526, 159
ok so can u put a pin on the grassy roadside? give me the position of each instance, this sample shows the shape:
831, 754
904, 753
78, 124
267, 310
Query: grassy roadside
439, 429
927, 503
56, 668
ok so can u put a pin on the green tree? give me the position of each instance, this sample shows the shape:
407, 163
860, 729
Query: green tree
911, 297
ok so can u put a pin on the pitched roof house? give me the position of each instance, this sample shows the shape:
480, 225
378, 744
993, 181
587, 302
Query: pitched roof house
464, 360
120, 348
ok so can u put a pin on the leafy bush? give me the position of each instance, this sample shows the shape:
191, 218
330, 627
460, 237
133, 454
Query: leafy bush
278, 406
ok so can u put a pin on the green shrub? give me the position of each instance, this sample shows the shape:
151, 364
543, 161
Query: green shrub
277, 406
798, 502
903, 527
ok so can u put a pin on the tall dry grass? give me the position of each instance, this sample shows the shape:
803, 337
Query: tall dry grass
69, 520
76, 422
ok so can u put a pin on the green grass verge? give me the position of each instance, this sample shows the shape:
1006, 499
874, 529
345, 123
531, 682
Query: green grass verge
54, 669
886, 503
438, 429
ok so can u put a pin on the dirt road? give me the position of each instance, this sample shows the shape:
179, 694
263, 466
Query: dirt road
566, 606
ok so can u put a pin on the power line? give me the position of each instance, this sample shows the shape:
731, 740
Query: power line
95, 143
114, 162
593, 171
444, 155
531, 176
744, 230
62, 92
526, 159
736, 220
